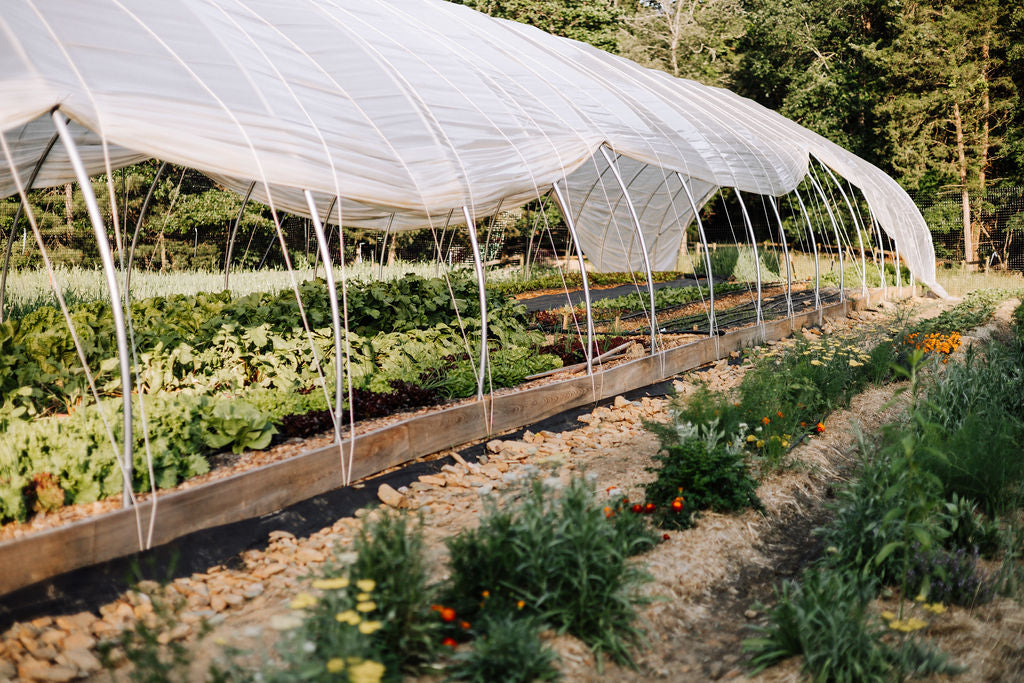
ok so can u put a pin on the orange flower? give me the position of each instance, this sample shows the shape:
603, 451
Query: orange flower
637, 508
665, 537
765, 420
677, 505
650, 507
486, 594
464, 625
779, 413
521, 604
447, 615
608, 512
802, 423
820, 428
450, 642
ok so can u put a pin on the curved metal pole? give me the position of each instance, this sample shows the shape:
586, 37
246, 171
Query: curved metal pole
881, 249
560, 199
384, 243
332, 295
712, 326
757, 257
96, 218
479, 266
814, 247
785, 251
899, 275
17, 217
835, 227
860, 236
643, 245
138, 227
326, 218
234, 233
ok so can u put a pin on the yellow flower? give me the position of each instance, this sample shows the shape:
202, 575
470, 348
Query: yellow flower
785, 444
331, 584
348, 617
302, 601
335, 665
366, 585
759, 443
363, 596
366, 606
751, 438
366, 672
887, 615
815, 361
908, 625
935, 607
368, 627
855, 364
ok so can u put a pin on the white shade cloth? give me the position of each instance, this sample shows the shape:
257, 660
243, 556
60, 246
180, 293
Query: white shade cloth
405, 107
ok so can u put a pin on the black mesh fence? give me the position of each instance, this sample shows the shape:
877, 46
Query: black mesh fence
997, 219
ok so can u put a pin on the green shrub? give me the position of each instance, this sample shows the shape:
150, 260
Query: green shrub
974, 425
697, 466
391, 553
508, 650
825, 619
557, 557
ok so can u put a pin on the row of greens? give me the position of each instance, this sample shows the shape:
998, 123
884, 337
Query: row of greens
216, 372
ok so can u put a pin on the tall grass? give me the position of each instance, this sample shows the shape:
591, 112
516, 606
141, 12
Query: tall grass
28, 290
959, 281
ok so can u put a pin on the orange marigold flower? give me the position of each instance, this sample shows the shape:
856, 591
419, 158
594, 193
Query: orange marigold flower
802, 423
779, 413
820, 428
447, 615
677, 504
650, 507
608, 512
486, 594
765, 420
665, 537
450, 642
521, 604
637, 508
464, 625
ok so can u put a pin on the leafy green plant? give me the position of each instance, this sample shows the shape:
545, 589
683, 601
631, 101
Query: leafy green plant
238, 425
701, 470
825, 618
560, 558
331, 636
390, 551
509, 650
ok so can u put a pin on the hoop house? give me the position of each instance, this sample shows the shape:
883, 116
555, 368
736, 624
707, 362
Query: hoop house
403, 114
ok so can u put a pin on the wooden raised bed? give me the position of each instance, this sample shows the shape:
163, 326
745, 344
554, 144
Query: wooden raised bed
263, 490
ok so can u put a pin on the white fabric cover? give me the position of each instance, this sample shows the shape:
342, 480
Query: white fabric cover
412, 107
